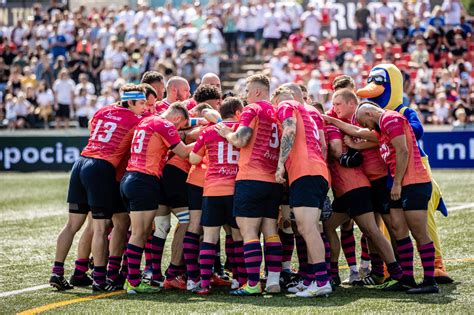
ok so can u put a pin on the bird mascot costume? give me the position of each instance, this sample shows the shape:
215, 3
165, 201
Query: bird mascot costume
385, 88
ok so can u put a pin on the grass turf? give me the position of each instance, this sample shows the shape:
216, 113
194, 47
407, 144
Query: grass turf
32, 212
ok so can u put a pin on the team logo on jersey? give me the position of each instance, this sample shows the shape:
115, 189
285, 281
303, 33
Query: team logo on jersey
112, 117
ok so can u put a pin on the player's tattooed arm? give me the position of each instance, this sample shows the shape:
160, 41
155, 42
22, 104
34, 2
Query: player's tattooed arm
287, 141
239, 138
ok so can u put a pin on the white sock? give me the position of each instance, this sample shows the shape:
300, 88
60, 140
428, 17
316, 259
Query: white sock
354, 268
273, 278
286, 265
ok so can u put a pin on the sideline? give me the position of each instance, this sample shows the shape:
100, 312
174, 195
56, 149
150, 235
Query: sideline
51, 306
16, 292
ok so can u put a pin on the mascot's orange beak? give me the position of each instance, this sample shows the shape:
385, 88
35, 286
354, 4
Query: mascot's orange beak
371, 90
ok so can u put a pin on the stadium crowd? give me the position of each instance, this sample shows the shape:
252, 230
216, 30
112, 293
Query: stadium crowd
66, 65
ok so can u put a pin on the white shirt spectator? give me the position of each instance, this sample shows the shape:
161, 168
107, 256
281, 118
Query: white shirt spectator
386, 11
104, 100
442, 112
103, 36
90, 88
10, 110
272, 26
63, 90
126, 17
311, 23
118, 58
108, 75
45, 98
452, 12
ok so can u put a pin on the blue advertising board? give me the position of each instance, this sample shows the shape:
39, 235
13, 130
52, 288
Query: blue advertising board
452, 149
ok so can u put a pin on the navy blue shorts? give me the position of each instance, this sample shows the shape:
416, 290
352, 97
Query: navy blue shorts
257, 199
308, 191
414, 197
174, 190
217, 211
195, 197
92, 185
354, 202
380, 195
140, 192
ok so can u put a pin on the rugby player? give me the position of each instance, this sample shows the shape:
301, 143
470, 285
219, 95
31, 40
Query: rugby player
257, 194
218, 195
352, 191
93, 185
302, 156
140, 188
410, 190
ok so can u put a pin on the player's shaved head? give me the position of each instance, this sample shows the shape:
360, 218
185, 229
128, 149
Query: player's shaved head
211, 79
296, 89
177, 89
368, 115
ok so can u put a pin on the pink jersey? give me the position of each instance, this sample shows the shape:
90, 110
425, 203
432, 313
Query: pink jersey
343, 179
111, 134
151, 140
197, 174
306, 157
190, 103
393, 124
161, 106
373, 165
222, 161
318, 119
259, 158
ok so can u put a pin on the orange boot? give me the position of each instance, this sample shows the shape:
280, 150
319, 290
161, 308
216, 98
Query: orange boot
441, 276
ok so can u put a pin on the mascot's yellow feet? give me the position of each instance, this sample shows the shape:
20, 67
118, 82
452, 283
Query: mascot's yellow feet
441, 275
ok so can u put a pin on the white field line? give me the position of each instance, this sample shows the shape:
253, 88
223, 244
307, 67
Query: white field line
16, 292
44, 286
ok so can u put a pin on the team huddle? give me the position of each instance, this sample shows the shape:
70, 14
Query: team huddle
259, 167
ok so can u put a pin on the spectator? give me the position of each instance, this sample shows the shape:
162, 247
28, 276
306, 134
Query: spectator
461, 121
84, 84
385, 14
434, 41
437, 18
271, 31
314, 85
400, 35
45, 100
420, 56
106, 98
18, 33
311, 20
108, 74
416, 30
131, 72
362, 15
458, 50
382, 32
441, 110
463, 88
230, 33
57, 43
452, 12
210, 51
83, 108
63, 89
22, 109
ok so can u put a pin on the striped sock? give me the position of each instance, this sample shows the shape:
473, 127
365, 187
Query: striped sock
348, 246
364, 250
134, 257
395, 270
302, 255
207, 256
427, 255
124, 267
327, 253
100, 273
81, 267
310, 275
377, 264
113, 267
320, 274
191, 255
156, 250
217, 260
253, 260
334, 269
241, 275
147, 252
405, 255
172, 272
229, 251
58, 268
273, 254
288, 244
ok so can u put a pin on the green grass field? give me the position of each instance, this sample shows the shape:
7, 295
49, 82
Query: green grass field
33, 210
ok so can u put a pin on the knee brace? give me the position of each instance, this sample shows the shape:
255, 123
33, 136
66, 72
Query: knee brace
162, 226
183, 217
